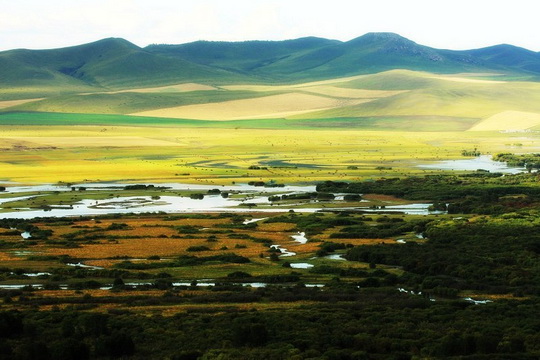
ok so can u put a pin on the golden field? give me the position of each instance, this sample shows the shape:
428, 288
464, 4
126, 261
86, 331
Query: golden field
48, 154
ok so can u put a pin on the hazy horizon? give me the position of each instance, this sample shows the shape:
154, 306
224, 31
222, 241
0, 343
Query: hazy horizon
456, 25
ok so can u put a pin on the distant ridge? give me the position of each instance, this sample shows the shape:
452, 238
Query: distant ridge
115, 63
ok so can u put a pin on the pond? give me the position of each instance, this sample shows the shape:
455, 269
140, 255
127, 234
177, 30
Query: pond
301, 265
335, 257
410, 209
483, 162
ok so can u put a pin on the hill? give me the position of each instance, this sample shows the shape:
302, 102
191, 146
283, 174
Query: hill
249, 57
105, 64
314, 58
391, 100
113, 64
509, 56
376, 81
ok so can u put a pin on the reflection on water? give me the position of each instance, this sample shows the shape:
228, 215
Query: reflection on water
477, 302
249, 221
483, 162
81, 265
335, 257
301, 265
410, 209
253, 196
177, 284
173, 186
283, 252
300, 237
247, 199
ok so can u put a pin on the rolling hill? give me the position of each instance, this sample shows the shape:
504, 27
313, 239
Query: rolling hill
105, 64
314, 58
378, 81
118, 64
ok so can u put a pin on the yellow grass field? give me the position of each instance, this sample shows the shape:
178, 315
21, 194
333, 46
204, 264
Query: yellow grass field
508, 121
41, 154
468, 79
267, 107
293, 86
10, 103
185, 87
329, 88
351, 93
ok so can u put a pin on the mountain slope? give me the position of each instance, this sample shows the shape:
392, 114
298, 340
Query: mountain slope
243, 57
313, 58
113, 64
109, 63
392, 100
510, 56
372, 53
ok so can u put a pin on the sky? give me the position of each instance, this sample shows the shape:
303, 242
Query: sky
445, 24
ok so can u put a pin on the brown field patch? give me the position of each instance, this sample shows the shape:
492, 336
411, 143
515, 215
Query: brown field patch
164, 247
138, 248
326, 237
276, 227
4, 256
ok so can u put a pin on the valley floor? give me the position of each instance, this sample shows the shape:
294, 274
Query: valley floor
89, 153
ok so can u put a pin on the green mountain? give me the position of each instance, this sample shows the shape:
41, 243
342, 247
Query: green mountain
109, 63
118, 64
314, 58
509, 56
247, 57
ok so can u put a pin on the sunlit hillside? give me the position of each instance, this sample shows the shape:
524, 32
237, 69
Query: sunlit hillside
392, 100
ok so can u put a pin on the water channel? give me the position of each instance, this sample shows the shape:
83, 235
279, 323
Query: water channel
243, 199
482, 162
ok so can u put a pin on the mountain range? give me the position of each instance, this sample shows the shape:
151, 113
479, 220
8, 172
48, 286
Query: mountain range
115, 63
376, 81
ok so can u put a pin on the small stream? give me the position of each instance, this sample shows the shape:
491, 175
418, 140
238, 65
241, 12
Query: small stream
283, 252
300, 237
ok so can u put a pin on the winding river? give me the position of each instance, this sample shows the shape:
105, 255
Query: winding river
246, 199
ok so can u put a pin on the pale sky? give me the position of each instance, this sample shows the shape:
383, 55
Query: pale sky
449, 24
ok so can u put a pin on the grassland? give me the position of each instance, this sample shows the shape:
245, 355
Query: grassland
153, 242
509, 121
38, 154
267, 107
351, 128
396, 100
134, 291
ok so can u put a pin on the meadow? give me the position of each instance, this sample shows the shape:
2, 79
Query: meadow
214, 286
176, 153
349, 128
345, 283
